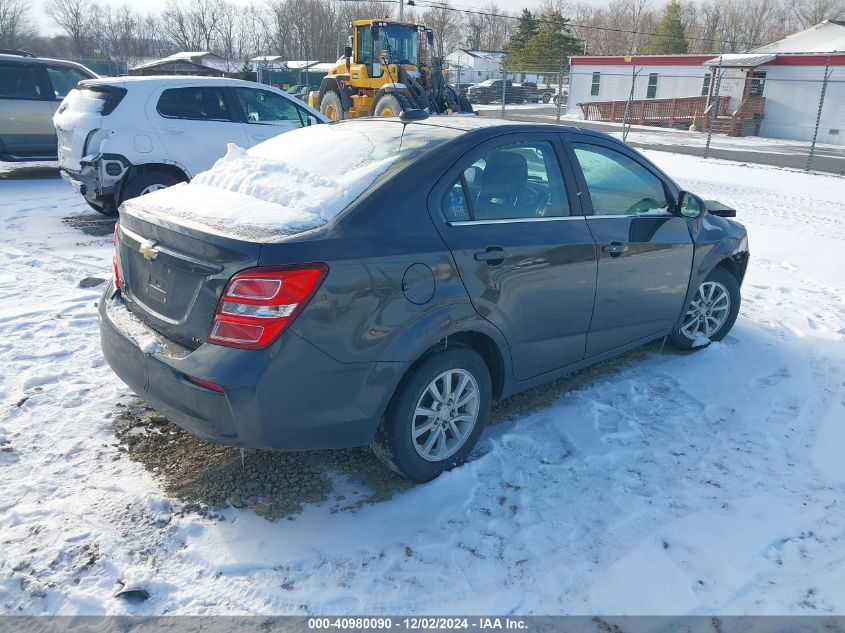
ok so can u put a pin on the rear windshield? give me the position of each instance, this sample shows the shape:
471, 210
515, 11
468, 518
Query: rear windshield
298, 180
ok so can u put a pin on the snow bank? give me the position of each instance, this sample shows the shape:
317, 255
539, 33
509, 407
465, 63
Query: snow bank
294, 182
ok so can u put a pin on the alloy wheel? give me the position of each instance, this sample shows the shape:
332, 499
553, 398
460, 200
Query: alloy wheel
445, 415
151, 188
708, 311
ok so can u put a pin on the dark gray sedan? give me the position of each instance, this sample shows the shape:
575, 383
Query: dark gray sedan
478, 260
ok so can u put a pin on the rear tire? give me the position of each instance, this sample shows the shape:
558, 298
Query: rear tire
423, 434
147, 182
109, 209
712, 312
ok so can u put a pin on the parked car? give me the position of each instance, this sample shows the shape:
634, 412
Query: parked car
383, 287
300, 91
533, 93
491, 91
123, 137
31, 89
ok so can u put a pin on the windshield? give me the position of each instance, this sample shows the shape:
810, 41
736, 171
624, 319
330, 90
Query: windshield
400, 42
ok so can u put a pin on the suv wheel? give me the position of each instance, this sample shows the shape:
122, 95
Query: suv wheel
147, 182
108, 209
436, 416
711, 313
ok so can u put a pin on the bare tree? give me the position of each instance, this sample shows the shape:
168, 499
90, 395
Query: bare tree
445, 28
78, 19
810, 12
16, 27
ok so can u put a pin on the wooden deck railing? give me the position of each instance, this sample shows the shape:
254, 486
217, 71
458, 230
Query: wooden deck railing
651, 111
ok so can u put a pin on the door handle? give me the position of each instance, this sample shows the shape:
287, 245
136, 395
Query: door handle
174, 130
615, 249
493, 255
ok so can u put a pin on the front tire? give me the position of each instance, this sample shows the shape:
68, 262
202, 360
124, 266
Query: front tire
391, 105
436, 415
712, 312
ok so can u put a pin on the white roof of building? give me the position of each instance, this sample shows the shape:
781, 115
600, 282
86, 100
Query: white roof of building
825, 37
491, 55
740, 60
202, 58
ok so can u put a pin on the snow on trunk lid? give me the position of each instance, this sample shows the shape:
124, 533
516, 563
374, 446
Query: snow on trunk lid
294, 182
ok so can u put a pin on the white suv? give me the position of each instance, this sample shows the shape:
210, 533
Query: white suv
123, 137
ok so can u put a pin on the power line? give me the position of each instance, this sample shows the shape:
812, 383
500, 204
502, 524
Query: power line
541, 20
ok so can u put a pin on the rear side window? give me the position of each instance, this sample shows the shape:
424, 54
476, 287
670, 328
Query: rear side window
262, 106
197, 103
19, 81
518, 181
618, 184
64, 79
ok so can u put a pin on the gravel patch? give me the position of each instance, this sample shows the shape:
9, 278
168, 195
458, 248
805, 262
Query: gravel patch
207, 477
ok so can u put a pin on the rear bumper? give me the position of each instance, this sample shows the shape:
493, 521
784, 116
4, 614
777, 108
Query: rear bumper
92, 179
291, 396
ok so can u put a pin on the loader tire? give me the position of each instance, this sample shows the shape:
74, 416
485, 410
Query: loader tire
391, 105
331, 107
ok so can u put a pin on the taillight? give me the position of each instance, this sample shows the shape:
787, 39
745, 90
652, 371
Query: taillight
115, 272
259, 303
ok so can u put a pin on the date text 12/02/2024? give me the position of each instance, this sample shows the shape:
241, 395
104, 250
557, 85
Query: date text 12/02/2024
418, 623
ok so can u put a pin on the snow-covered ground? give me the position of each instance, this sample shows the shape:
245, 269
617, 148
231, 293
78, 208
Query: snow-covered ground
659, 483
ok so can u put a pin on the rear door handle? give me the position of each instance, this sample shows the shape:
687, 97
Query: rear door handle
615, 249
174, 130
493, 255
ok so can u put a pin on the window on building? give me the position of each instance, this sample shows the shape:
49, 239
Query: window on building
594, 89
758, 81
705, 87
651, 91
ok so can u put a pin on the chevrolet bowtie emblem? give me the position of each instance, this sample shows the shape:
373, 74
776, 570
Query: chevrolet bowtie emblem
148, 250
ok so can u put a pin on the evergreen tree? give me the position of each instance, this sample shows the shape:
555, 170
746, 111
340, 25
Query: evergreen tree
246, 72
526, 29
552, 42
669, 38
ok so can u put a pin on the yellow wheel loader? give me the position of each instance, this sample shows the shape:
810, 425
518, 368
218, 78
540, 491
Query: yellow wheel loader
381, 74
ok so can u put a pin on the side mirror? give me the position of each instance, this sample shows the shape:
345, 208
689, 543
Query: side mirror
690, 205
429, 34
312, 120
347, 51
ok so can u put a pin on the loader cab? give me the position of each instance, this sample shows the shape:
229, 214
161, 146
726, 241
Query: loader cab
400, 42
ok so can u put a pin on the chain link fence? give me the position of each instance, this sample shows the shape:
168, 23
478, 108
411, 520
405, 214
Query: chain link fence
785, 115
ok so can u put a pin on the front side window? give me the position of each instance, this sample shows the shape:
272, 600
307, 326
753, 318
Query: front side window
619, 185
19, 81
519, 181
197, 103
651, 91
64, 79
261, 106
594, 88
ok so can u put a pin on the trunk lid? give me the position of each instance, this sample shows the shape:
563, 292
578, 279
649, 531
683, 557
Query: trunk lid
172, 274
79, 116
